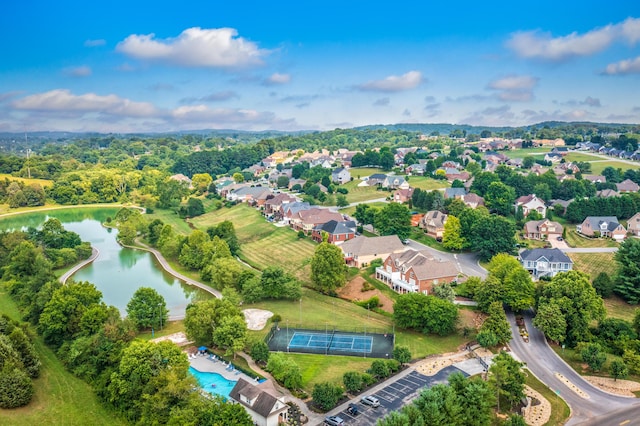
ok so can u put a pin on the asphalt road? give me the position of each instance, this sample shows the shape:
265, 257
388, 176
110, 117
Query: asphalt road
393, 395
543, 362
467, 263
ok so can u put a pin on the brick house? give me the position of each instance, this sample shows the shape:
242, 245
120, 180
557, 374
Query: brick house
337, 231
542, 229
433, 223
402, 195
415, 272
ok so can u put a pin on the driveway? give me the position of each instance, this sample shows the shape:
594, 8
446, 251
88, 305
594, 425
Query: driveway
467, 263
393, 395
543, 362
555, 243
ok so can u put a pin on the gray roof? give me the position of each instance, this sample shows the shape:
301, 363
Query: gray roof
553, 255
334, 227
263, 403
454, 192
296, 207
595, 221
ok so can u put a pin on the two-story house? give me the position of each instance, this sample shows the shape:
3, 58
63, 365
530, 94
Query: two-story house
402, 195
340, 176
272, 205
265, 409
361, 250
604, 226
633, 225
395, 182
415, 272
433, 223
542, 262
337, 231
305, 220
529, 203
542, 229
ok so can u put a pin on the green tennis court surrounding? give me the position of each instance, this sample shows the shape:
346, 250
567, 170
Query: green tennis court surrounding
330, 342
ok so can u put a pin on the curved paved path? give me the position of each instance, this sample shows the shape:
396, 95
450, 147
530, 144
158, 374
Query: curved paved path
94, 255
543, 362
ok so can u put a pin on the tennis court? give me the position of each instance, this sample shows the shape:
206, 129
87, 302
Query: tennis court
330, 342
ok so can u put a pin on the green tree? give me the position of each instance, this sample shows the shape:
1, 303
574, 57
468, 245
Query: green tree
326, 395
628, 278
328, 270
341, 200
452, 238
507, 379
200, 320
444, 291
201, 182
492, 235
226, 231
147, 309
593, 355
352, 381
260, 352
231, 334
578, 302
603, 285
394, 218
618, 370
495, 325
500, 198
515, 420
277, 284
238, 177
551, 321
380, 369
284, 370
402, 354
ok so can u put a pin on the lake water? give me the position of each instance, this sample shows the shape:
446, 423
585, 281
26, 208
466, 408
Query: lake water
117, 272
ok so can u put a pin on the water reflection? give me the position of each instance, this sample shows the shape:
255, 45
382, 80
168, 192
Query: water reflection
118, 272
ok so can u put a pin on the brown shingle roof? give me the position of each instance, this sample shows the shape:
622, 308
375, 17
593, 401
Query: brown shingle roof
363, 246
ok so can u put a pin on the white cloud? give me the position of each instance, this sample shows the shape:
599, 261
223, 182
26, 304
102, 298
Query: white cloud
212, 97
195, 47
63, 101
277, 78
95, 43
542, 45
592, 102
628, 66
394, 83
382, 102
81, 71
514, 88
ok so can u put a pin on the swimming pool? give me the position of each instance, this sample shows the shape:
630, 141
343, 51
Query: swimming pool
213, 383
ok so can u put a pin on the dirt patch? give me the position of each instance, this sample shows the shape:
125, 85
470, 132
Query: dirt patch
179, 339
618, 387
256, 318
353, 291
471, 319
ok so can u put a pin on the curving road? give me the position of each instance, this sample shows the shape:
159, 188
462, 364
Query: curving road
543, 362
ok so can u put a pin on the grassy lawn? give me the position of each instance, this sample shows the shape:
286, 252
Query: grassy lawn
60, 398
576, 240
27, 181
418, 234
618, 308
318, 311
170, 218
360, 172
524, 152
592, 263
351, 210
572, 357
363, 193
560, 411
322, 368
426, 183
262, 243
599, 166
582, 157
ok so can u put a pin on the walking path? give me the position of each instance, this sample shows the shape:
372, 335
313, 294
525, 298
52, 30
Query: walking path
94, 255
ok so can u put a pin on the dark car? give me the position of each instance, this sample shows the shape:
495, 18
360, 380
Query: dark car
334, 421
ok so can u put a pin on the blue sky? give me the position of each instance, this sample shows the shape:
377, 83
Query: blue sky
141, 66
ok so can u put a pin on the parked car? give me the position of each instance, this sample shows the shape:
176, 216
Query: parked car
334, 421
370, 400
559, 238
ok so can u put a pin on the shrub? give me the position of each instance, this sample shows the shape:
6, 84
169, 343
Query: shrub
366, 286
16, 388
276, 318
370, 303
326, 395
260, 352
353, 382
379, 369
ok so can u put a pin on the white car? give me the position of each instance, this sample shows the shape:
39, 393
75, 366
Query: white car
370, 400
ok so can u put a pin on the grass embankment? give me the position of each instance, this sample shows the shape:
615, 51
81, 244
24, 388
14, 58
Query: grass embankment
262, 243
360, 172
598, 166
60, 398
524, 152
426, 183
575, 240
27, 181
618, 308
593, 263
560, 411
363, 193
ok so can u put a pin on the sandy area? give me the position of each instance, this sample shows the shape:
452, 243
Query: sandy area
430, 366
179, 339
353, 291
537, 414
618, 387
256, 318
571, 386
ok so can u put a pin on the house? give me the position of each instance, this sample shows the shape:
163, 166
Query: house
415, 272
294, 182
560, 150
461, 176
272, 205
306, 220
542, 262
289, 210
603, 226
633, 225
264, 408
433, 223
627, 185
542, 229
415, 169
529, 203
595, 178
373, 180
553, 157
473, 200
253, 195
454, 193
361, 250
336, 231
182, 179
402, 195
606, 193
395, 182
340, 176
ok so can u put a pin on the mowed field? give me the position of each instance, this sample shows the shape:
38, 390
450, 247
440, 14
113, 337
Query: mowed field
593, 263
60, 398
363, 193
426, 183
27, 181
262, 243
598, 166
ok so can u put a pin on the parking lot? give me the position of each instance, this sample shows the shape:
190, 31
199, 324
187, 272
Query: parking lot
394, 396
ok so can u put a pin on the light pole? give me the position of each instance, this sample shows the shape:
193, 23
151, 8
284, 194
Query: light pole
160, 314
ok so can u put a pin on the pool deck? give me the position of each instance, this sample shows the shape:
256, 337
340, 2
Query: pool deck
205, 365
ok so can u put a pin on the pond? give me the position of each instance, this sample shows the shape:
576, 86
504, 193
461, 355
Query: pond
117, 272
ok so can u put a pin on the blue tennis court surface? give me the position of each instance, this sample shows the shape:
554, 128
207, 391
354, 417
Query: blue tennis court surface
342, 342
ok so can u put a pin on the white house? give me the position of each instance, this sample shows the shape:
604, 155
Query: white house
264, 408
